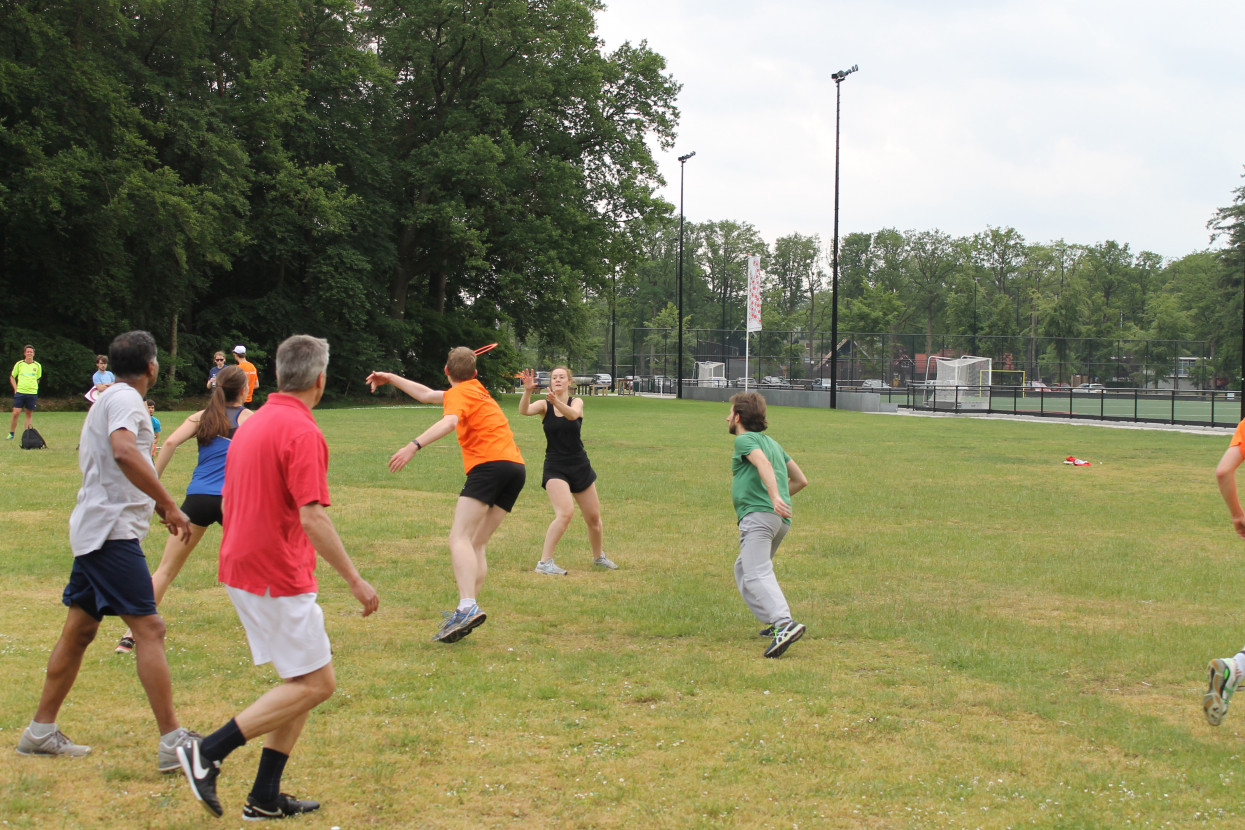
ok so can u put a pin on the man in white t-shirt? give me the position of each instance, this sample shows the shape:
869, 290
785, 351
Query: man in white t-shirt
110, 575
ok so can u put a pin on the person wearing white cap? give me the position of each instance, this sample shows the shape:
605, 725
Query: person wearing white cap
252, 376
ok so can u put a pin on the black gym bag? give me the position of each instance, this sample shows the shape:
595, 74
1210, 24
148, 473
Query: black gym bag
32, 440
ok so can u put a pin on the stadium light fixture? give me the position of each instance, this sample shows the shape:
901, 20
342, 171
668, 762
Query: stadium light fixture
678, 390
834, 308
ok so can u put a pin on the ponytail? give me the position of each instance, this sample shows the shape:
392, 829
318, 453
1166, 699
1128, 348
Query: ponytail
214, 422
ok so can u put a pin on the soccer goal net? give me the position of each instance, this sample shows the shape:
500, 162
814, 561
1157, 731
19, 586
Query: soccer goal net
960, 383
709, 373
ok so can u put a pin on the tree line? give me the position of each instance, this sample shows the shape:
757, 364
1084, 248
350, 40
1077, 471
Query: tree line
402, 176
397, 176
993, 285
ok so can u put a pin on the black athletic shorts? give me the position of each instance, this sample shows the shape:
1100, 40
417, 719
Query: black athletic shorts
112, 580
26, 400
578, 473
496, 483
202, 509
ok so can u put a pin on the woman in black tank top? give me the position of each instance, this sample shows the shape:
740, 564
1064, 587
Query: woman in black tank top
568, 476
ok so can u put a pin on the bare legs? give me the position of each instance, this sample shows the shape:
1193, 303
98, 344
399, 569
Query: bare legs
13, 424
564, 502
474, 524
176, 552
66, 659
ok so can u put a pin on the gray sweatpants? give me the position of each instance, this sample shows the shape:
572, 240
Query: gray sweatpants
760, 534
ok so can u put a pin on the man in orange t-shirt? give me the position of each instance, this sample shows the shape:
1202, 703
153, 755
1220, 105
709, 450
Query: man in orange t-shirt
252, 376
495, 475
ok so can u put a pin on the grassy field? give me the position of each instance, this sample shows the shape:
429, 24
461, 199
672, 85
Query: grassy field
995, 639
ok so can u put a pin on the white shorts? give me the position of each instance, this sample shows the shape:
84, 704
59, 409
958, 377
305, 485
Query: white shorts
285, 631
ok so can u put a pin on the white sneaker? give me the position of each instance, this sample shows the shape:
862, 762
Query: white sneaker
548, 566
54, 744
605, 562
1223, 681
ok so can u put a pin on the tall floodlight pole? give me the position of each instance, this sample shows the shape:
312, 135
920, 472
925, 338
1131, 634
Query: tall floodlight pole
679, 373
614, 330
838, 77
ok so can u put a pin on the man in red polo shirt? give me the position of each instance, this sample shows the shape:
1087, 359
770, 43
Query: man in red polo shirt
274, 500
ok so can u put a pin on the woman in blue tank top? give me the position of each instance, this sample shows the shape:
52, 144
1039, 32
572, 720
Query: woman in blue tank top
212, 428
568, 476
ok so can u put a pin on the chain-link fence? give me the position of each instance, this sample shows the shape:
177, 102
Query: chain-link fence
900, 360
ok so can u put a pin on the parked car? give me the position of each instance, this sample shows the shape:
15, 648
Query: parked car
542, 380
1057, 387
744, 382
1091, 387
872, 385
820, 385
1037, 386
602, 380
772, 380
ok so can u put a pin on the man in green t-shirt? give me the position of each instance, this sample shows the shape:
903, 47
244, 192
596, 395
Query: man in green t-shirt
765, 478
25, 380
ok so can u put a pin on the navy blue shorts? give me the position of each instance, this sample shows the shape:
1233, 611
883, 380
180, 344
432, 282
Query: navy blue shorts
496, 483
25, 400
113, 580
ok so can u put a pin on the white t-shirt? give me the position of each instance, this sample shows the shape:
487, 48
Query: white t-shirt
109, 506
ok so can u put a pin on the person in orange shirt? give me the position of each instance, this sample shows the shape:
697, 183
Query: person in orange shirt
252, 376
495, 475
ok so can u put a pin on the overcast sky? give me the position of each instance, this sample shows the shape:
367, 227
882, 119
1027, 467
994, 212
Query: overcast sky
1086, 121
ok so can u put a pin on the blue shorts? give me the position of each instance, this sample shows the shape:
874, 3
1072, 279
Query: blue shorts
25, 400
496, 483
113, 580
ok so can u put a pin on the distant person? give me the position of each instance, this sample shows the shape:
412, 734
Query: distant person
102, 377
274, 498
568, 477
110, 576
212, 428
25, 379
765, 478
1226, 672
495, 476
252, 376
218, 364
155, 427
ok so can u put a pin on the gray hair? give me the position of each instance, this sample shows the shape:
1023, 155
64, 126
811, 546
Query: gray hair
300, 360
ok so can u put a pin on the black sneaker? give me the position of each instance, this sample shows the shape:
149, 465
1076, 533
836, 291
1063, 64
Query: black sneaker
284, 806
202, 776
784, 636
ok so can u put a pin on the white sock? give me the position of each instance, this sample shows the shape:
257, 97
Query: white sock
41, 730
466, 604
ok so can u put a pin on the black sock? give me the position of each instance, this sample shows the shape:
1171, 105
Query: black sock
218, 745
268, 780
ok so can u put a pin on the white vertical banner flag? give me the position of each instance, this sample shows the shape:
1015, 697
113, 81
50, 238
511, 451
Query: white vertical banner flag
754, 293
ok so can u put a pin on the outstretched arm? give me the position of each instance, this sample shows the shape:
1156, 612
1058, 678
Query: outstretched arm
1226, 474
319, 529
187, 429
435, 432
761, 462
421, 393
526, 405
